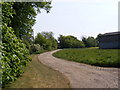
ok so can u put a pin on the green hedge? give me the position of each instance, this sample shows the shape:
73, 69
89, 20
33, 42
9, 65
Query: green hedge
14, 55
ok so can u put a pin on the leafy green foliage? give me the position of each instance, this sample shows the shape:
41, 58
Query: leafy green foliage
90, 42
7, 12
46, 40
39, 39
14, 56
24, 18
18, 19
93, 56
35, 48
69, 42
14, 52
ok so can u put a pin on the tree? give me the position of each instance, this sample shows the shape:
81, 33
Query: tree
97, 38
47, 35
39, 39
46, 40
24, 18
69, 42
51, 39
84, 39
89, 42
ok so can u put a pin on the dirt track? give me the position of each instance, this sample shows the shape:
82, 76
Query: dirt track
82, 75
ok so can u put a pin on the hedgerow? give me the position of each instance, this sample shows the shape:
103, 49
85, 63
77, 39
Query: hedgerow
14, 52
14, 56
17, 21
35, 48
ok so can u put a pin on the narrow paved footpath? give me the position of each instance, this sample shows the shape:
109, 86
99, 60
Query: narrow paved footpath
82, 75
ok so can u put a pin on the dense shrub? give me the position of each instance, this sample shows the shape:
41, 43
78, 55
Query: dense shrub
14, 52
14, 56
27, 44
35, 48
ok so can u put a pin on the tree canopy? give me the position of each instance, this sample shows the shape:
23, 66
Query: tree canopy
24, 16
90, 41
69, 42
46, 40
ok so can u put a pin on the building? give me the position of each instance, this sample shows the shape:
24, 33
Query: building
109, 40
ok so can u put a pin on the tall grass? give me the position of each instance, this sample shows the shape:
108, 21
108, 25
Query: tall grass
92, 56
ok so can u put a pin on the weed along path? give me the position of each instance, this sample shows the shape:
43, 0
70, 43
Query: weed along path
82, 75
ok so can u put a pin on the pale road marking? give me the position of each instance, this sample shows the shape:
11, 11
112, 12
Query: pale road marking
82, 75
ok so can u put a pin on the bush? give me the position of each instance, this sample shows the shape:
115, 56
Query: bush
14, 56
35, 48
27, 44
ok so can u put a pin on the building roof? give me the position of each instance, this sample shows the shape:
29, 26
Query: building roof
111, 33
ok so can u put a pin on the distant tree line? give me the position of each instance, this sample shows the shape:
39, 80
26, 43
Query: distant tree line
73, 42
69, 42
90, 41
48, 42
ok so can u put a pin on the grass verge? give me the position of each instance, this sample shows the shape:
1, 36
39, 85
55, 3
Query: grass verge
92, 56
37, 75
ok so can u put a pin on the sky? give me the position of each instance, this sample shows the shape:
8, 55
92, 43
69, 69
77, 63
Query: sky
79, 18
